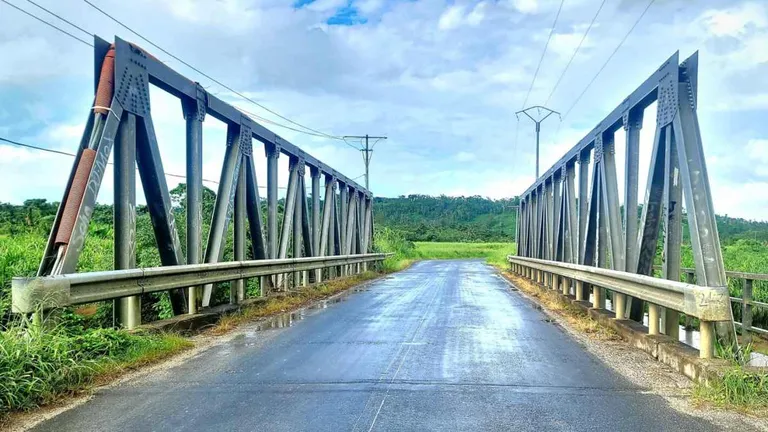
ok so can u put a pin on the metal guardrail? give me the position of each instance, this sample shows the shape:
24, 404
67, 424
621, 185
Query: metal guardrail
31, 294
746, 301
708, 304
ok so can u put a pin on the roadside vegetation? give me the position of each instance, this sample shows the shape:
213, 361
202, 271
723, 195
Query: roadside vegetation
39, 365
736, 387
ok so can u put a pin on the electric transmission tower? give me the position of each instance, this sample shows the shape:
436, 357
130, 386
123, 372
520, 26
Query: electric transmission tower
537, 120
367, 151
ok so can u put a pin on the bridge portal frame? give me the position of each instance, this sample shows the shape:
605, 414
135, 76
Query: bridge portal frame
585, 225
123, 120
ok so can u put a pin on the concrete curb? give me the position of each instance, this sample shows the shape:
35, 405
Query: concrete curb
680, 357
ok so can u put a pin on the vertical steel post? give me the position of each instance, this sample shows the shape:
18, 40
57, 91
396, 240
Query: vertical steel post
273, 153
306, 228
128, 310
297, 219
602, 234
194, 115
332, 231
230, 172
649, 221
368, 218
344, 198
746, 312
288, 212
633, 121
583, 201
237, 287
330, 186
673, 238
583, 209
316, 227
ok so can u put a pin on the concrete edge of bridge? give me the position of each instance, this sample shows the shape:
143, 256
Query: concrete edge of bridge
679, 357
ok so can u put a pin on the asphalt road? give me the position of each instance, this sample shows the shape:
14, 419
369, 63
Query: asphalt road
445, 345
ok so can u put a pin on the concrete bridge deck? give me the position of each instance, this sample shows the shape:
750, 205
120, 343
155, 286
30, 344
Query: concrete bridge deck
444, 345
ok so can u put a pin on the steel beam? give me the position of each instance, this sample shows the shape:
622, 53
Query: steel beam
298, 219
237, 287
316, 224
222, 210
127, 310
194, 115
673, 235
159, 203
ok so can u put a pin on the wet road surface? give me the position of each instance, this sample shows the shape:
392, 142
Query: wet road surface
444, 345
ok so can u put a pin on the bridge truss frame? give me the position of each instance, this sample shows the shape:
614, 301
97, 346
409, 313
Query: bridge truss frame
121, 118
585, 225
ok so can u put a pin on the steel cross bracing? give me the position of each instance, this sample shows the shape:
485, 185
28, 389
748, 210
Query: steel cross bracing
583, 223
121, 118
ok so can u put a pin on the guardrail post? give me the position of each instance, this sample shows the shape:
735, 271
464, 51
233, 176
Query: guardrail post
746, 312
706, 339
597, 294
653, 319
579, 290
619, 305
672, 323
691, 279
555, 279
565, 285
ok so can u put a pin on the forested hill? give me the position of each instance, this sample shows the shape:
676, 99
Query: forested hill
442, 218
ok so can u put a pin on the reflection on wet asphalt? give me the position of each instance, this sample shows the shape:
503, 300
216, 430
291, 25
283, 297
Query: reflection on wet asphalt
444, 345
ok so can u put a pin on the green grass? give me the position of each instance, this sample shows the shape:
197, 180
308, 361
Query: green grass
738, 388
494, 253
40, 365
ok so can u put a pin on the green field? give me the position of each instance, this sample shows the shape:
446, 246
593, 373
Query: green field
494, 253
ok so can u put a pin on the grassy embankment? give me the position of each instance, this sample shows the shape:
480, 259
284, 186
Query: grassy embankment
41, 365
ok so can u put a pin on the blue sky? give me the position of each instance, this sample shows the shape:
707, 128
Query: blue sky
441, 78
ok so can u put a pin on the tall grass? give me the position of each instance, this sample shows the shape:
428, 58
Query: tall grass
391, 241
38, 364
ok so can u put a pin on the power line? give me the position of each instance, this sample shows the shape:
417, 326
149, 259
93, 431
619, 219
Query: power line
262, 119
265, 120
609, 58
48, 150
583, 38
535, 74
47, 23
63, 19
63, 153
323, 134
349, 144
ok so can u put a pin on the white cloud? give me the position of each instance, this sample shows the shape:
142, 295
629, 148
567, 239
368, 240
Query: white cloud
735, 21
464, 156
477, 15
451, 18
526, 6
